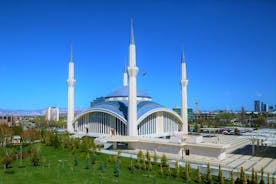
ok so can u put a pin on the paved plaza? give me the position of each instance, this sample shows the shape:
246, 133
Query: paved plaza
238, 154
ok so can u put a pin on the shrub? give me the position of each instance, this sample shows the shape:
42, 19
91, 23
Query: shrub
6, 160
220, 176
176, 169
116, 169
155, 158
131, 167
209, 175
144, 166
9, 171
161, 172
35, 155
198, 175
232, 177
256, 179
262, 176
93, 158
164, 161
252, 176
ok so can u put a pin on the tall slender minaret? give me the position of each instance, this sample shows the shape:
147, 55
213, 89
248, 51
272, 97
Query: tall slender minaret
70, 83
132, 71
184, 83
125, 77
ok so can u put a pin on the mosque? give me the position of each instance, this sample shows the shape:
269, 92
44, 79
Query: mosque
127, 110
128, 116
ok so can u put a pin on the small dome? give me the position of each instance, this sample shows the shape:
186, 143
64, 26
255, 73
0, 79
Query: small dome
123, 92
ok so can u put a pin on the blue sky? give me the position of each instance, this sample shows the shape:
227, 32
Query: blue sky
230, 49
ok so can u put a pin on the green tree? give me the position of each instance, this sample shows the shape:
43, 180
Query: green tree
187, 170
242, 115
168, 171
220, 176
131, 167
155, 158
144, 166
93, 158
176, 169
262, 176
17, 130
256, 179
35, 155
252, 176
232, 178
164, 161
209, 174
198, 175
116, 171
149, 164
148, 156
6, 160
161, 172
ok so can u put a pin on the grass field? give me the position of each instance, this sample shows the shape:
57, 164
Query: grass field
58, 168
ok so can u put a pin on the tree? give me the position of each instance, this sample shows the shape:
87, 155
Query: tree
6, 160
155, 158
168, 171
176, 169
242, 173
164, 161
252, 176
144, 166
198, 175
161, 172
256, 179
220, 176
116, 171
17, 130
30, 135
35, 155
242, 115
187, 170
5, 134
232, 177
148, 156
131, 167
149, 165
209, 175
93, 158
262, 176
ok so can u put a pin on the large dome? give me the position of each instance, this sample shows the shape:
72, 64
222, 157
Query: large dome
123, 92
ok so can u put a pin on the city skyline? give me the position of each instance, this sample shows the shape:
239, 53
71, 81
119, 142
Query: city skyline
229, 50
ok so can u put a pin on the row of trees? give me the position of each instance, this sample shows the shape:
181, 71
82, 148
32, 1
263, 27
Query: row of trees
143, 162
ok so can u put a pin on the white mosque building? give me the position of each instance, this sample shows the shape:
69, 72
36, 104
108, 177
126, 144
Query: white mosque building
129, 116
128, 110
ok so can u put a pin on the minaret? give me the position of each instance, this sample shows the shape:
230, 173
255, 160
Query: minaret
132, 71
125, 77
70, 83
184, 83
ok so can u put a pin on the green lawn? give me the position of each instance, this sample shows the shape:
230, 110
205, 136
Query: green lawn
58, 168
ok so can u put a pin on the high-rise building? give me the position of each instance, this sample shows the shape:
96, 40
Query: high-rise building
257, 106
52, 114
